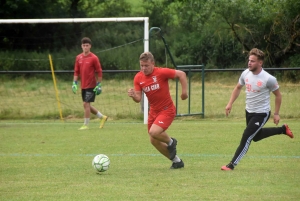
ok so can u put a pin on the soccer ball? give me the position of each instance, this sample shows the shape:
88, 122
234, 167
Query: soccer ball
101, 163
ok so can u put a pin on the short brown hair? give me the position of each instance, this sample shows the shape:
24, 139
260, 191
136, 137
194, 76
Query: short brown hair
147, 56
86, 40
258, 53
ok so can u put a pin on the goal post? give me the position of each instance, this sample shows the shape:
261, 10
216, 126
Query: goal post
83, 20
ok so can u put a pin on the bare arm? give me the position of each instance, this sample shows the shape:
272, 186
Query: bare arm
276, 117
234, 95
183, 81
98, 79
135, 95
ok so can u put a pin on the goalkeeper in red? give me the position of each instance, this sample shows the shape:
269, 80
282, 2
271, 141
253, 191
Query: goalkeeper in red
88, 66
153, 81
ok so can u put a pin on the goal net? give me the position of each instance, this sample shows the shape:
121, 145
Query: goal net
34, 92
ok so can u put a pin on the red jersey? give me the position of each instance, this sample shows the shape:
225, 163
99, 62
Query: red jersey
156, 88
86, 67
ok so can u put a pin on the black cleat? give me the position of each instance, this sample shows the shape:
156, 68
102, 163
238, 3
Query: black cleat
227, 167
172, 149
177, 165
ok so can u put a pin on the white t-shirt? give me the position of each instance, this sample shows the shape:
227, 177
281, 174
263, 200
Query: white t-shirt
258, 88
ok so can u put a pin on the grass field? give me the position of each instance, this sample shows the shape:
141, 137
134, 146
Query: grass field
43, 158
49, 160
34, 98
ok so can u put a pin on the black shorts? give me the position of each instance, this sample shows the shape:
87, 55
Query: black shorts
88, 95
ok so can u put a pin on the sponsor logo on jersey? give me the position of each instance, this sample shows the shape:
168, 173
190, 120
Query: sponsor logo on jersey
259, 83
152, 87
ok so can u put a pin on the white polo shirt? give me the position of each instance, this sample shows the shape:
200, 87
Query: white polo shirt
258, 88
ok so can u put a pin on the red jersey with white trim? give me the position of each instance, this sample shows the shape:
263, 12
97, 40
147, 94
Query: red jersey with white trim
87, 66
156, 88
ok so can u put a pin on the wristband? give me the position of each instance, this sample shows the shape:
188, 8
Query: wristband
75, 82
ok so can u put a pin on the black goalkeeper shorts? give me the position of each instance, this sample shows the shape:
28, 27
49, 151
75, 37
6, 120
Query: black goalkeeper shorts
88, 95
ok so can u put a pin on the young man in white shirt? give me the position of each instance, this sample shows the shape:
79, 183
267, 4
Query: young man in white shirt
258, 84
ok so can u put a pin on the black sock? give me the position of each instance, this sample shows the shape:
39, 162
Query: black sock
283, 129
230, 165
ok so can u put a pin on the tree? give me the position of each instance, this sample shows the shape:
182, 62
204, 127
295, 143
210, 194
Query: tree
219, 31
33, 37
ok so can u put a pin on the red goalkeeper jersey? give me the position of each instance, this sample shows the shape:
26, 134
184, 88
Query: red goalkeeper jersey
87, 67
156, 88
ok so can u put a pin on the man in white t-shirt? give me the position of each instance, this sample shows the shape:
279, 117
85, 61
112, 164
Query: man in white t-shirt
258, 84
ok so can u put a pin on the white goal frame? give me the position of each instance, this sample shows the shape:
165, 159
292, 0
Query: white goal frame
82, 20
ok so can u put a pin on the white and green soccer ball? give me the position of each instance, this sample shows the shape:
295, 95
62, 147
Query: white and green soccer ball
101, 163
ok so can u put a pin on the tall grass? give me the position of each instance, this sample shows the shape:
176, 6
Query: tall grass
35, 98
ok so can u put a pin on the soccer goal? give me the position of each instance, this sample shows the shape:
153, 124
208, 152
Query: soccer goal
39, 98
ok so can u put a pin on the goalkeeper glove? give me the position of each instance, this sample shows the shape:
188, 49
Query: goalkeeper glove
74, 87
98, 89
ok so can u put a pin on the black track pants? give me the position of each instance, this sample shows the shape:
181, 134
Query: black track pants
255, 132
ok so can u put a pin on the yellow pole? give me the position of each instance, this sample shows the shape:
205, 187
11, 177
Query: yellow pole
56, 91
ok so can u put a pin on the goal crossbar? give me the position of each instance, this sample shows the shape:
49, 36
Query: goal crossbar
72, 20
82, 20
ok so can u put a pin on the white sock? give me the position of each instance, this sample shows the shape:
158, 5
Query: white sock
86, 121
171, 141
99, 115
176, 159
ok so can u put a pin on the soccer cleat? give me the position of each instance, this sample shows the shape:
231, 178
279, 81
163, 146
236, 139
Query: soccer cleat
177, 165
172, 149
103, 120
83, 127
288, 131
227, 167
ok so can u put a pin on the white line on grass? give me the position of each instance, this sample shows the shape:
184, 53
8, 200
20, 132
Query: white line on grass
142, 155
108, 123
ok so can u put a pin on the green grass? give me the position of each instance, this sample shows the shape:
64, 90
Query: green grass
52, 161
37, 99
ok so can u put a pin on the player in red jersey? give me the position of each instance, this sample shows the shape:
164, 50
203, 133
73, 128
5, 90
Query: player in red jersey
88, 66
153, 81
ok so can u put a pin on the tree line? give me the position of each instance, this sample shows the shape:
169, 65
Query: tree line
216, 33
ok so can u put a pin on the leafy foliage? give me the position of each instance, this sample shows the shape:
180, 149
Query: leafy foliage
218, 34
224, 29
